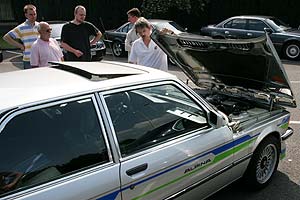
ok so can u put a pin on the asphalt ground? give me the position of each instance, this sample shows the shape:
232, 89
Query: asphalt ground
286, 182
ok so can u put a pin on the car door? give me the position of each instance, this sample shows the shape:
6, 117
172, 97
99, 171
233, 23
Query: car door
235, 28
166, 141
57, 150
255, 28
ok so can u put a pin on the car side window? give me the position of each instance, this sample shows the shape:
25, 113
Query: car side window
48, 143
256, 25
126, 28
147, 117
236, 24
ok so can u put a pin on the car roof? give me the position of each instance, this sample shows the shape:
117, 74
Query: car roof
70, 78
253, 16
158, 20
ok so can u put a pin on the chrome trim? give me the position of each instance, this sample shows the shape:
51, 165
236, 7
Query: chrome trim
102, 127
288, 133
112, 135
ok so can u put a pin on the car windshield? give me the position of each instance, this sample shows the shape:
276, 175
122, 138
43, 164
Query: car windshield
277, 24
173, 26
56, 30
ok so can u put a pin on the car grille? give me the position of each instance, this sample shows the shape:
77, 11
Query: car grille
212, 45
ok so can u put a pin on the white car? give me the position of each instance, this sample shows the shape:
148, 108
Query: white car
110, 130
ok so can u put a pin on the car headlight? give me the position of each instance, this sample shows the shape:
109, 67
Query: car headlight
100, 44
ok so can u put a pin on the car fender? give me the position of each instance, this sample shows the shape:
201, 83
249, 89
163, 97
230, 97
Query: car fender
269, 130
119, 40
290, 40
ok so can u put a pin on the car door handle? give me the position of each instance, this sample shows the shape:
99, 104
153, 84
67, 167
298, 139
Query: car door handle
226, 32
249, 34
137, 169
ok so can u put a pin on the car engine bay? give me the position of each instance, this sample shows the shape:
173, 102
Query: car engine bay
241, 112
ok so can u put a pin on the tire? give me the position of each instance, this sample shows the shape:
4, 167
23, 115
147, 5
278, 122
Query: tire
117, 49
291, 51
263, 164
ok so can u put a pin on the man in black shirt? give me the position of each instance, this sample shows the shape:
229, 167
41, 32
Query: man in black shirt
75, 36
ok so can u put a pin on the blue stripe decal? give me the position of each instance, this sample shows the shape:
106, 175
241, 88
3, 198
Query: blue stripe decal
30, 40
25, 27
215, 152
284, 121
27, 53
110, 196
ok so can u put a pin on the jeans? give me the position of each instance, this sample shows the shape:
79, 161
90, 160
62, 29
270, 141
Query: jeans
26, 65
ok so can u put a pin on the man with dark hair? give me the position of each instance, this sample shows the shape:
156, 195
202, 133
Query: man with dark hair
26, 32
75, 36
133, 15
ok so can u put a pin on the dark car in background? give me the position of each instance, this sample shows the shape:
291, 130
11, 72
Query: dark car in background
98, 50
285, 39
115, 38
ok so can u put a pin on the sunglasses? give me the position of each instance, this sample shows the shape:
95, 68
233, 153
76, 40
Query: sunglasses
49, 30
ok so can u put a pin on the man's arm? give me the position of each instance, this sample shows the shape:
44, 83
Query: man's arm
13, 42
96, 38
67, 47
34, 56
128, 40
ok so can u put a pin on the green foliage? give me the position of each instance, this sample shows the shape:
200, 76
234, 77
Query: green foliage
154, 8
4, 44
188, 13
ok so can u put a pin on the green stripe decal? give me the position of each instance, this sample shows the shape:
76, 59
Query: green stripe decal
215, 160
284, 126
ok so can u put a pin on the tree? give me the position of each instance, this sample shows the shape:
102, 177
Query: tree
178, 10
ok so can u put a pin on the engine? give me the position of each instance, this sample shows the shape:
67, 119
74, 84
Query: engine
236, 109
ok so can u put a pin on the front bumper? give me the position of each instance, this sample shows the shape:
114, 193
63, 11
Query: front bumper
98, 54
288, 133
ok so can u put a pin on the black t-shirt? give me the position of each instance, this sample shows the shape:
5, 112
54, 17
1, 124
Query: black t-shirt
77, 36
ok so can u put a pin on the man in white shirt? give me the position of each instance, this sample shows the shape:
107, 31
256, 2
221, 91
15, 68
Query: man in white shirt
45, 49
146, 52
133, 15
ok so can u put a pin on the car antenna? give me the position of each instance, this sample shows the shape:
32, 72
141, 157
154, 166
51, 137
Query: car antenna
105, 37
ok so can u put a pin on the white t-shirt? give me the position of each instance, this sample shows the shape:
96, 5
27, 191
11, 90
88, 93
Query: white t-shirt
131, 36
151, 56
43, 52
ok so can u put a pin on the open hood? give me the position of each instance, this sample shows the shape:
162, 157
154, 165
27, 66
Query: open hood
250, 67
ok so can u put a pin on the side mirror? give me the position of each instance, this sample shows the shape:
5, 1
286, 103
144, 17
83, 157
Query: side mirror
217, 119
268, 30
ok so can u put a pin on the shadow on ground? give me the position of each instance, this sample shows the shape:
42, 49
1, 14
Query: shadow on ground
290, 62
280, 188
